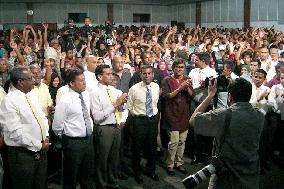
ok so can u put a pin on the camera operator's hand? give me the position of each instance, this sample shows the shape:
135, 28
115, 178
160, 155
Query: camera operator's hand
212, 87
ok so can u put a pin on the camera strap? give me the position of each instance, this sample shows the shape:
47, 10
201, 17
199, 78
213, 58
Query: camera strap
227, 123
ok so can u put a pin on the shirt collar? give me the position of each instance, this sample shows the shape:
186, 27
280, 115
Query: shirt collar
105, 87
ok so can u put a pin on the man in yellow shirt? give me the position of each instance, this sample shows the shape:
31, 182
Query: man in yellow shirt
41, 90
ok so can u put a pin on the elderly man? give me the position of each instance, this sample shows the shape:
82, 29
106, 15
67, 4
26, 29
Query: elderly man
25, 132
90, 76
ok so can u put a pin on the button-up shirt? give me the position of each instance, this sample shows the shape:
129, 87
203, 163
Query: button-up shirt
276, 103
137, 98
68, 116
101, 106
20, 126
198, 75
262, 105
43, 95
91, 80
61, 91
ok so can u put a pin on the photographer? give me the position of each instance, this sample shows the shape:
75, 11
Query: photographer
88, 28
237, 132
68, 34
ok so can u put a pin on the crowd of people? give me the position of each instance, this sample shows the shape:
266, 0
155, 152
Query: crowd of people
99, 93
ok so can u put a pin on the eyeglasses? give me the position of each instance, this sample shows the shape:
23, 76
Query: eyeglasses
181, 67
28, 79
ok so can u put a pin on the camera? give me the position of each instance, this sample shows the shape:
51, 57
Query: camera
108, 28
193, 180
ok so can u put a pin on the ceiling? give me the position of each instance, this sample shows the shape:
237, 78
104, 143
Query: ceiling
142, 2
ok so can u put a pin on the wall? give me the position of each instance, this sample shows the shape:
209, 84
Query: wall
228, 13
57, 13
183, 13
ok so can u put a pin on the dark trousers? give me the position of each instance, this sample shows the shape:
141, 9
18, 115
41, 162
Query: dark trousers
145, 132
107, 145
78, 162
25, 171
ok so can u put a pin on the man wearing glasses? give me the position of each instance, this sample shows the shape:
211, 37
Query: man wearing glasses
25, 132
176, 90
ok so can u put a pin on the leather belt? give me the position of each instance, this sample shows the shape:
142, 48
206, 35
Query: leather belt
36, 155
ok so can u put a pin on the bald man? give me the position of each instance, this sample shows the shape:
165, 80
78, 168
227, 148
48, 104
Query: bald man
90, 77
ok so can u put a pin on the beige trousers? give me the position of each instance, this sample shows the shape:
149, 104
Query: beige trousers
176, 148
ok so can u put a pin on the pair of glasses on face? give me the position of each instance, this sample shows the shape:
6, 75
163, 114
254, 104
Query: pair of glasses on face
180, 67
28, 79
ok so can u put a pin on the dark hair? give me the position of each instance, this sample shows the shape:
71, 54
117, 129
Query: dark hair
258, 62
100, 69
240, 89
205, 57
72, 74
54, 75
261, 71
143, 55
246, 53
144, 67
177, 62
17, 73
230, 64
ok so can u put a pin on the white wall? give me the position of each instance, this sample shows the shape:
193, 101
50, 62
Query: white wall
228, 13
123, 13
183, 13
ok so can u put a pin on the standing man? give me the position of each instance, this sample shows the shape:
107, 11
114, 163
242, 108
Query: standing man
177, 89
73, 123
121, 75
25, 132
109, 116
90, 76
41, 90
142, 104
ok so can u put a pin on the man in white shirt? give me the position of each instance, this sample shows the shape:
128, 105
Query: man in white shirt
259, 99
25, 133
142, 104
2, 95
260, 92
90, 76
276, 101
72, 122
107, 110
202, 70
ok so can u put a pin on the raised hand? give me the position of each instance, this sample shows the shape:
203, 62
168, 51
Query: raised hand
45, 26
13, 45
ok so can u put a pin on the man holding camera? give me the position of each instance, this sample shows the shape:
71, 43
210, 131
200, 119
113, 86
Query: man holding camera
237, 131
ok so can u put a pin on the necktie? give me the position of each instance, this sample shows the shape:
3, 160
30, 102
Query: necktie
38, 118
117, 114
149, 106
86, 116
